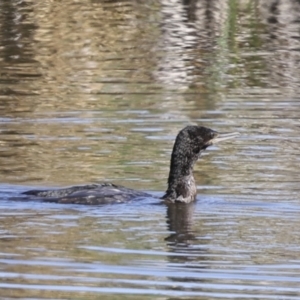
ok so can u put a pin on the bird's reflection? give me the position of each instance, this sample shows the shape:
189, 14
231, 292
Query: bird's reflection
186, 249
180, 221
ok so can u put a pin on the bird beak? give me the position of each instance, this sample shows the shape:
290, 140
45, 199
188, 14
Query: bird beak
223, 137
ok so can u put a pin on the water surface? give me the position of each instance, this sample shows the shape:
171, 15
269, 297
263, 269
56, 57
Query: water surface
96, 91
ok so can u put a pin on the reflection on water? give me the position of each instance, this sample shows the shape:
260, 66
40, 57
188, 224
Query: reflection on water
97, 91
230, 249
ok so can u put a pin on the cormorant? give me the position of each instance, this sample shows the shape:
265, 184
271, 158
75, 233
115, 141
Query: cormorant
189, 144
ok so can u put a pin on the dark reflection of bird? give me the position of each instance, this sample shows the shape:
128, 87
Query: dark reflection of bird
189, 144
188, 246
180, 222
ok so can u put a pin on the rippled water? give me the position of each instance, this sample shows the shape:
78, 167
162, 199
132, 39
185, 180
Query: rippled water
97, 91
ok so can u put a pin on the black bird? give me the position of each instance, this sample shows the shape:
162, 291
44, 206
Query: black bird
189, 144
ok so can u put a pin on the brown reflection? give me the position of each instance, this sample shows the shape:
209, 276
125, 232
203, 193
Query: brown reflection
17, 63
215, 45
281, 19
16, 31
189, 40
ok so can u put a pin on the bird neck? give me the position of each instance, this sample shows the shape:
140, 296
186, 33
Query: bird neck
181, 182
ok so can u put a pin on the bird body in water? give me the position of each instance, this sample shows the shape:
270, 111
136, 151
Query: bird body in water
189, 144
